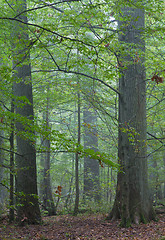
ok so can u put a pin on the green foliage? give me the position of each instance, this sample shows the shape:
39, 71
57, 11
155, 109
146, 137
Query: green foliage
101, 157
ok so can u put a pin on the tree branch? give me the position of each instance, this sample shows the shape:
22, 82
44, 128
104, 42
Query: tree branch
156, 138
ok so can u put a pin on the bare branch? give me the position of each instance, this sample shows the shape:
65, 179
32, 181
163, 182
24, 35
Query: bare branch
46, 5
159, 139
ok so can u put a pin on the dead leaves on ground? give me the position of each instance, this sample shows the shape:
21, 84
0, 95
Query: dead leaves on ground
93, 227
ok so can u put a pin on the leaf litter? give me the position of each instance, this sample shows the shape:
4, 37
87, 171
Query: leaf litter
84, 227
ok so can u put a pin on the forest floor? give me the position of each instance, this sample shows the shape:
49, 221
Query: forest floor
91, 227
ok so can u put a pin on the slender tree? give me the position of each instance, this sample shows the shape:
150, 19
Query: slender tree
132, 203
11, 212
26, 179
164, 180
46, 181
77, 198
77, 155
2, 189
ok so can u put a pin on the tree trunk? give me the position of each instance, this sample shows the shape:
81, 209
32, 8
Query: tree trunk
91, 166
164, 170
2, 188
132, 203
27, 199
2, 157
11, 211
47, 190
77, 157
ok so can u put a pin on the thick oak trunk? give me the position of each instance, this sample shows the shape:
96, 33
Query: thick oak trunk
26, 178
132, 203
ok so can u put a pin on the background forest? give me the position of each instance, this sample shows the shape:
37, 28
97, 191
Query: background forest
61, 70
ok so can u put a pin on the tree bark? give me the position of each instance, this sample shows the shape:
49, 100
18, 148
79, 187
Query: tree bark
76, 206
2, 157
11, 211
26, 179
132, 203
46, 186
91, 166
2, 188
164, 170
